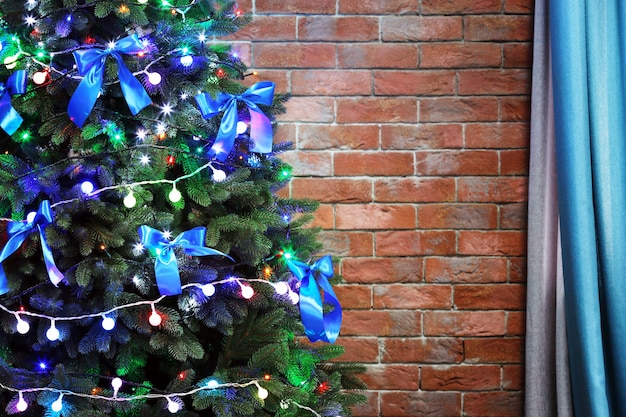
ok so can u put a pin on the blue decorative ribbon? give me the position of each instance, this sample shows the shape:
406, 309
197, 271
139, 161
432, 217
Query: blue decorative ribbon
165, 265
10, 119
317, 326
260, 124
90, 63
18, 231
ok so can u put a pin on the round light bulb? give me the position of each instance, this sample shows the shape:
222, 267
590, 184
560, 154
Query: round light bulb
142, 1
294, 297
31, 216
116, 383
130, 201
175, 195
212, 384
53, 333
40, 77
22, 326
219, 175
154, 78
57, 405
172, 406
108, 323
154, 319
208, 289
263, 393
86, 187
241, 127
186, 60
21, 404
247, 292
281, 288
10, 61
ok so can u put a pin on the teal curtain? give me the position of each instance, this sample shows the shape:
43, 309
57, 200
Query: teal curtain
588, 38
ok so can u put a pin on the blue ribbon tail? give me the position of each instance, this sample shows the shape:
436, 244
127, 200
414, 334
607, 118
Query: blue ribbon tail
260, 132
167, 275
53, 272
134, 93
10, 119
4, 283
84, 98
225, 139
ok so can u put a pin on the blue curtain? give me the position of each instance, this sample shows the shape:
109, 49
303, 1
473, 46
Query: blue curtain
588, 41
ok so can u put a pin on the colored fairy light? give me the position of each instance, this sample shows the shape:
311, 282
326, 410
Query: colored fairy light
21, 404
22, 326
174, 195
171, 159
52, 333
208, 289
57, 405
220, 72
108, 323
267, 377
212, 384
144, 159
202, 37
123, 9
154, 78
42, 365
130, 201
87, 187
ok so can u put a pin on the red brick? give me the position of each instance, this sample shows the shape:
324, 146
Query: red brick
517, 269
518, 6
295, 6
518, 55
278, 77
498, 28
333, 190
457, 216
376, 110
293, 55
493, 189
323, 217
513, 377
414, 190
466, 269
378, 7
415, 243
490, 297
459, 109
423, 83
309, 164
422, 136
420, 29
354, 296
460, 378
423, 350
421, 403
374, 216
348, 243
441, 163
244, 51
513, 216
500, 135
373, 163
494, 82
492, 243
381, 270
515, 109
309, 109
342, 29
269, 28
460, 6
515, 323
359, 349
494, 350
375, 55
392, 377
501, 404
381, 323
413, 296
464, 323
460, 55
330, 83
344, 137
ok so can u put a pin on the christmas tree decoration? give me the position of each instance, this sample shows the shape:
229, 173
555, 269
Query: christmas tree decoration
174, 280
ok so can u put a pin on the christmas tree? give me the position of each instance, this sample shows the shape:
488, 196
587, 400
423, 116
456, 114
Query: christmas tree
148, 266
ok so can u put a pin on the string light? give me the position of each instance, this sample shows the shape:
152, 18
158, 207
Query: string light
108, 323
154, 78
40, 77
22, 326
57, 405
87, 187
52, 333
130, 201
174, 195
172, 406
208, 289
116, 383
155, 318
21, 404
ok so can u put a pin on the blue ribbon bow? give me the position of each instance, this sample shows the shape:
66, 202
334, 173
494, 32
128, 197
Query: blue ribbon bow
18, 231
10, 119
317, 326
165, 265
260, 124
90, 63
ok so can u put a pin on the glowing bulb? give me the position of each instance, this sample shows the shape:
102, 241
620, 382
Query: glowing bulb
130, 200
294, 297
154, 319
142, 1
144, 159
212, 384
116, 383
31, 216
86, 187
241, 127
186, 60
172, 406
57, 405
10, 61
281, 288
53, 333
263, 393
219, 175
22, 326
21, 404
40, 77
154, 78
174, 195
247, 292
108, 323
208, 289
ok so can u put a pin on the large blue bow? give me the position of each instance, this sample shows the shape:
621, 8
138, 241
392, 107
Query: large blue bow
90, 63
165, 265
18, 231
317, 326
10, 119
260, 124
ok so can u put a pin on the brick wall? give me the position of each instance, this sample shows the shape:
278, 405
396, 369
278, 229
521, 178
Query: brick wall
411, 124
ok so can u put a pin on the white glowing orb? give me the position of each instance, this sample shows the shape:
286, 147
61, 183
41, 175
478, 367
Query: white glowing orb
241, 127
130, 201
116, 383
175, 195
219, 175
108, 323
208, 290
22, 326
186, 60
172, 406
154, 319
21, 405
154, 78
86, 187
212, 384
30, 217
247, 292
57, 405
40, 77
281, 288
263, 393
53, 333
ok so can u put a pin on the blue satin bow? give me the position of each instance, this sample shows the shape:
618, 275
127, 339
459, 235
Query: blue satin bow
90, 63
260, 124
18, 231
317, 326
165, 265
10, 119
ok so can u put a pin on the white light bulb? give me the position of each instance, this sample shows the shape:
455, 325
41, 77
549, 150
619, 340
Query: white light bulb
31, 216
116, 383
154, 78
294, 297
142, 1
21, 404
108, 323
52, 334
281, 288
247, 292
22, 326
10, 61
86, 187
175, 195
186, 60
154, 319
208, 289
241, 127
57, 405
172, 406
263, 393
212, 384
219, 175
40, 77
130, 200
